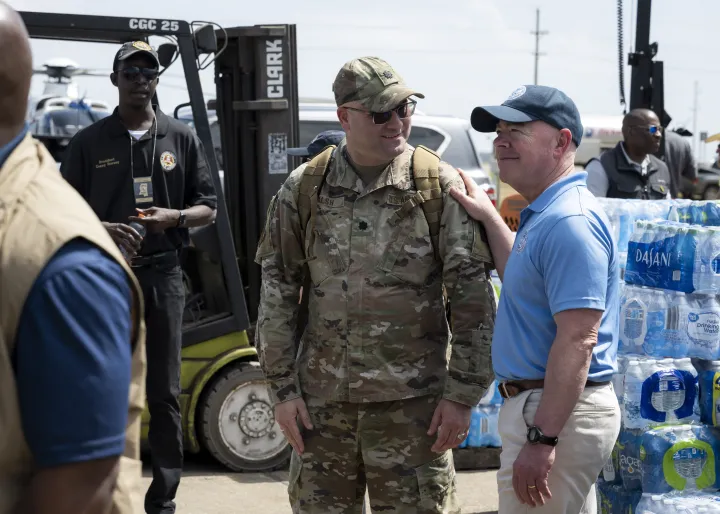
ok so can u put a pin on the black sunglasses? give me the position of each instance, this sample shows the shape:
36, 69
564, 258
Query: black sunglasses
133, 72
380, 118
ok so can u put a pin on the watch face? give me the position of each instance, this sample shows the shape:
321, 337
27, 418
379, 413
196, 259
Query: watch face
533, 434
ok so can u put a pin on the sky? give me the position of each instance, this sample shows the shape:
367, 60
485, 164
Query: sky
459, 53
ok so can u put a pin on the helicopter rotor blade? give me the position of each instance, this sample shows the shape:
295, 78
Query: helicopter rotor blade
90, 73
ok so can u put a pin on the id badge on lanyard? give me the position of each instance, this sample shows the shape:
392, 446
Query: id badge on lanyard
142, 186
143, 191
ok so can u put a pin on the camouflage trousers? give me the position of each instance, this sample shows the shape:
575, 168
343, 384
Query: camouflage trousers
383, 446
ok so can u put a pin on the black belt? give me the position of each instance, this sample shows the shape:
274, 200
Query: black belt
162, 259
515, 387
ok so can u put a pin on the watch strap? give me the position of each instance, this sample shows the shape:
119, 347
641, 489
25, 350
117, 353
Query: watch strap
541, 438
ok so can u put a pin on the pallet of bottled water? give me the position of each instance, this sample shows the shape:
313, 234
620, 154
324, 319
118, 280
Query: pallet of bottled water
660, 323
623, 215
669, 442
674, 256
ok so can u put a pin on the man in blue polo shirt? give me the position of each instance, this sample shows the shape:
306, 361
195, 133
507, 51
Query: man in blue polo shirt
555, 342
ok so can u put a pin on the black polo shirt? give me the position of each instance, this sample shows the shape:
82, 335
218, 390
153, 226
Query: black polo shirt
97, 164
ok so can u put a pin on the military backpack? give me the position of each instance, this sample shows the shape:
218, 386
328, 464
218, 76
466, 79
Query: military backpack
425, 168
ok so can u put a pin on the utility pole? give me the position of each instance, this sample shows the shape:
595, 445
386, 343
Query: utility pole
537, 33
696, 136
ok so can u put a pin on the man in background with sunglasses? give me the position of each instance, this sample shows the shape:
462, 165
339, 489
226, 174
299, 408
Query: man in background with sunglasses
630, 170
139, 165
381, 389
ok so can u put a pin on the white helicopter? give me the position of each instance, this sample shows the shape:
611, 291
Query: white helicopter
61, 110
60, 91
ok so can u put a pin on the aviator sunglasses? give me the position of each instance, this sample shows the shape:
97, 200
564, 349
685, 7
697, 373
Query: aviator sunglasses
380, 118
133, 72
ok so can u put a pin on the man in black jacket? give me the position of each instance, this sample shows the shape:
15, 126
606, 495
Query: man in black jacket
140, 165
630, 170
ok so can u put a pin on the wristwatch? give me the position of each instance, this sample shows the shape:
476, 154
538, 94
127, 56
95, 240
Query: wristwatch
535, 436
181, 219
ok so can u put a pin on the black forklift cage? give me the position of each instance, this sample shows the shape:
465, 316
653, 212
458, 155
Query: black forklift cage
118, 30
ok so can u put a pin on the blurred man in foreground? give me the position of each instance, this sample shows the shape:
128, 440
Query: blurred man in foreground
71, 335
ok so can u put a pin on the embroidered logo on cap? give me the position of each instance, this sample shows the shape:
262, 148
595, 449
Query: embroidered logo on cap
142, 45
517, 93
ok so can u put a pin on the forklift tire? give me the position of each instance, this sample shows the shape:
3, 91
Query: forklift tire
238, 423
711, 193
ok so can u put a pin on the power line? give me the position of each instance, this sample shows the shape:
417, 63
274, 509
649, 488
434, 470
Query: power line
494, 50
537, 33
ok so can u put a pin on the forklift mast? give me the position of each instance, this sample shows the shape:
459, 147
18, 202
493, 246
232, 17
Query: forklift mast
258, 113
215, 302
647, 83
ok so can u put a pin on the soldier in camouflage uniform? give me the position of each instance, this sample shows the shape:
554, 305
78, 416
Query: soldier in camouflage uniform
381, 389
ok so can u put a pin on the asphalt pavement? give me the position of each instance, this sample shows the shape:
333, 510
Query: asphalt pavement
208, 488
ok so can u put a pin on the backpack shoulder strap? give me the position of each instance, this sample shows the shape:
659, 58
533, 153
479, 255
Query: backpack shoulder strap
426, 173
312, 178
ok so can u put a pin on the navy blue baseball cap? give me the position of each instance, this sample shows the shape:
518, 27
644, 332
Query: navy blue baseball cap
323, 139
532, 103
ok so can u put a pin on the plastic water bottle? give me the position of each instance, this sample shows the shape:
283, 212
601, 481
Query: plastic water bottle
679, 258
633, 319
654, 344
650, 504
633, 392
629, 443
700, 269
636, 237
475, 436
685, 365
618, 379
140, 229
623, 218
704, 327
708, 378
704, 259
713, 257
490, 435
676, 336
673, 214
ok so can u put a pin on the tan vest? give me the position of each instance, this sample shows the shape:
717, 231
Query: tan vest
39, 213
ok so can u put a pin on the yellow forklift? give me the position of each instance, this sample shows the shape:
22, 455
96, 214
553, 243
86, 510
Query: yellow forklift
225, 404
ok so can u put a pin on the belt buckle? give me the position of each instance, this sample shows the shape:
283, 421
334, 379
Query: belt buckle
503, 390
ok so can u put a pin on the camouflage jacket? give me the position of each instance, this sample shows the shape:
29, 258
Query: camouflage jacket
377, 327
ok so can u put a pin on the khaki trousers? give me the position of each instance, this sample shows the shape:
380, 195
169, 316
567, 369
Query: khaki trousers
584, 446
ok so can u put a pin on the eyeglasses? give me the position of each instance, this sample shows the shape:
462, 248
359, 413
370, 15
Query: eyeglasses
133, 72
652, 129
380, 118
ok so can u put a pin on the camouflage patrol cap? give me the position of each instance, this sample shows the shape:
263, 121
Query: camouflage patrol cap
372, 82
